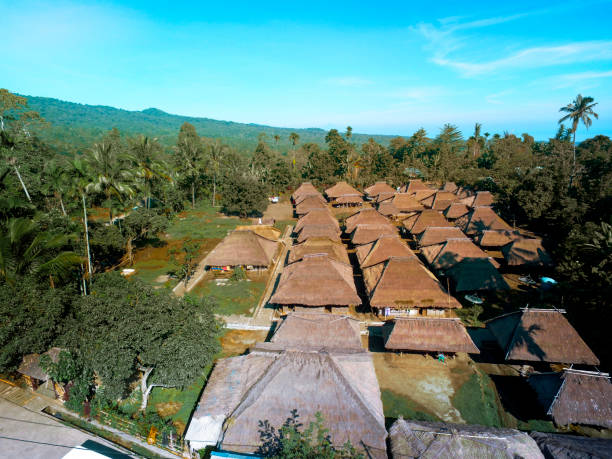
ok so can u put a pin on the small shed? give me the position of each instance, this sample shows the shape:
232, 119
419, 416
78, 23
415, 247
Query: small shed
35, 376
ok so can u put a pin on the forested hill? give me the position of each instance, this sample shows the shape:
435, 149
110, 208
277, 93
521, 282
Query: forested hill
76, 126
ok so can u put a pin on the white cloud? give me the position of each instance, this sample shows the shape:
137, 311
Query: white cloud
349, 81
571, 79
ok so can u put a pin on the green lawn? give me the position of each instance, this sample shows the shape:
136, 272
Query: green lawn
395, 405
149, 270
477, 401
236, 297
203, 222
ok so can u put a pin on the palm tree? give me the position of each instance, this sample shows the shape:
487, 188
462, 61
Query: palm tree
349, 133
294, 138
24, 249
144, 154
276, 138
80, 181
188, 158
56, 177
581, 109
476, 139
216, 150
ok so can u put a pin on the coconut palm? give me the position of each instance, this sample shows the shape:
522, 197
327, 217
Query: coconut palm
216, 150
144, 154
580, 109
81, 178
56, 181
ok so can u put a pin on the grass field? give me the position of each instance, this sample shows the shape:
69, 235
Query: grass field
235, 297
203, 222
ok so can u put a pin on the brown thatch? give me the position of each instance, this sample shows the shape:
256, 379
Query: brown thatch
341, 189
268, 385
406, 203
463, 192
428, 334
316, 217
353, 199
366, 233
416, 185
381, 250
575, 397
334, 249
242, 248
318, 331
309, 204
30, 364
304, 188
318, 231
304, 196
385, 196
387, 209
266, 231
451, 187
496, 238
559, 446
483, 198
442, 200
368, 216
438, 235
417, 439
540, 335
446, 255
456, 210
480, 219
379, 187
405, 283
473, 274
317, 280
418, 223
526, 251
421, 195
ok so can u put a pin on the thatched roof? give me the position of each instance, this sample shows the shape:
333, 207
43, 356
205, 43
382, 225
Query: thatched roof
480, 219
381, 250
366, 233
267, 231
388, 209
559, 446
463, 192
416, 185
483, 198
496, 238
442, 200
242, 248
451, 187
385, 196
540, 335
405, 203
421, 195
319, 331
316, 217
342, 189
526, 251
268, 386
317, 280
367, 215
403, 283
418, 223
444, 256
304, 188
349, 199
456, 210
30, 364
377, 188
473, 274
334, 249
326, 230
304, 196
428, 334
418, 439
438, 235
309, 204
575, 397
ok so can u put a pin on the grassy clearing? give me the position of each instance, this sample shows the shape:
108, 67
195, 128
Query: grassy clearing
203, 222
477, 401
149, 270
236, 297
282, 224
395, 405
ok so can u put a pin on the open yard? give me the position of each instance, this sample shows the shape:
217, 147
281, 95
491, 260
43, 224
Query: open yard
234, 297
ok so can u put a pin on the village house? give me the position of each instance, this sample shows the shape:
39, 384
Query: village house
244, 247
342, 194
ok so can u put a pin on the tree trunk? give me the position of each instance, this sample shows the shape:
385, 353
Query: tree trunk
62, 204
193, 195
87, 239
22, 184
146, 389
574, 161
214, 189
110, 207
129, 250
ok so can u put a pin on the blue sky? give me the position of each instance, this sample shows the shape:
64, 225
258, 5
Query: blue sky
381, 67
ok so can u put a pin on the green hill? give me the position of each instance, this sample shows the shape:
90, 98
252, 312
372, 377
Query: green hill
76, 126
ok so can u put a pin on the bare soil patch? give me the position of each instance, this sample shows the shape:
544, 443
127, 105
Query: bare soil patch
279, 211
237, 342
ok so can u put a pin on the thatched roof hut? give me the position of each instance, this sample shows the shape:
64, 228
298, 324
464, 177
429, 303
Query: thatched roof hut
418, 439
317, 280
304, 188
481, 198
30, 364
348, 200
341, 189
480, 219
451, 187
379, 187
474, 274
418, 223
575, 397
242, 248
334, 249
404, 283
559, 446
456, 210
367, 215
428, 334
496, 238
304, 196
309, 204
318, 331
440, 201
438, 235
384, 196
318, 231
266, 231
400, 203
526, 251
421, 195
446, 255
540, 335
381, 250
366, 233
416, 185
316, 217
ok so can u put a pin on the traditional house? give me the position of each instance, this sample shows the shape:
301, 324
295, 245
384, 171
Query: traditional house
367, 215
428, 334
318, 231
37, 379
494, 239
421, 195
456, 210
242, 248
366, 233
416, 185
332, 248
385, 196
451, 187
540, 335
266, 231
305, 188
418, 223
401, 204
447, 254
373, 191
480, 219
317, 281
417, 439
440, 200
439, 235
316, 217
403, 287
381, 250
575, 397
342, 194
304, 196
524, 251
481, 198
308, 204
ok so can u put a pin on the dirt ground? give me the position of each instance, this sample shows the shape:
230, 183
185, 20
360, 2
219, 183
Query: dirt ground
279, 211
237, 342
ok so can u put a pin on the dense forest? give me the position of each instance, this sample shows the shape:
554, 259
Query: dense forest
57, 276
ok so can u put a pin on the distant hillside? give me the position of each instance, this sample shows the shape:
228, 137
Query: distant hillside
76, 126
